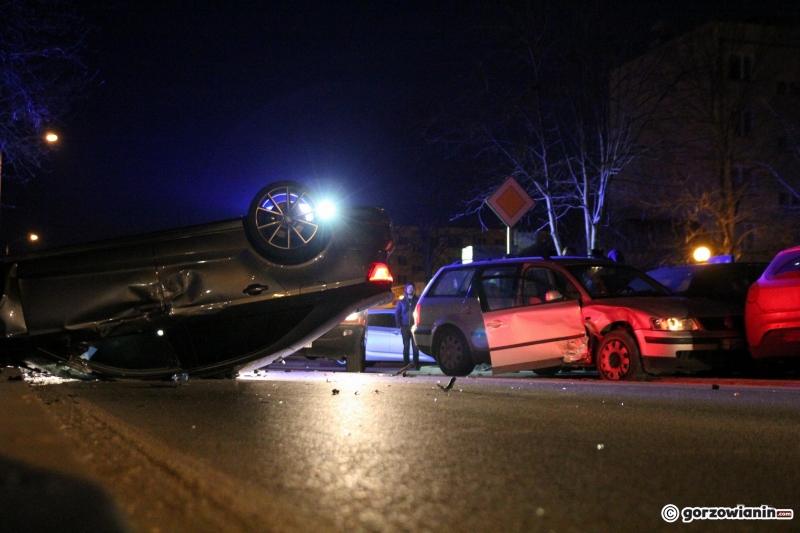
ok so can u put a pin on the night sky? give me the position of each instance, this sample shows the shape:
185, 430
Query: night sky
197, 105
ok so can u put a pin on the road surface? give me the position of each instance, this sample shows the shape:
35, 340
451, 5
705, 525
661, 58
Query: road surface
315, 450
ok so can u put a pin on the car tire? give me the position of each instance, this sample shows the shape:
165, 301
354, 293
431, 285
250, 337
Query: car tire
452, 352
356, 362
549, 371
282, 224
618, 357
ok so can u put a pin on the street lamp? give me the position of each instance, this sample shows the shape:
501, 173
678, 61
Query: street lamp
32, 238
50, 137
701, 254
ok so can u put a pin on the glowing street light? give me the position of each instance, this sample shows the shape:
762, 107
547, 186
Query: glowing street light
32, 238
701, 254
51, 138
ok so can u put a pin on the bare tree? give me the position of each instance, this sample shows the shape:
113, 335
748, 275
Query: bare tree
717, 171
40, 74
789, 144
611, 106
556, 112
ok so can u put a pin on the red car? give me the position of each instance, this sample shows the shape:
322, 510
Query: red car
772, 311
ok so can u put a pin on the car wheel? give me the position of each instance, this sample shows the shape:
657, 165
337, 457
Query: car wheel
452, 353
356, 362
284, 225
618, 357
549, 371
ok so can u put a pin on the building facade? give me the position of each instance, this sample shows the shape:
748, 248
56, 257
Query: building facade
721, 152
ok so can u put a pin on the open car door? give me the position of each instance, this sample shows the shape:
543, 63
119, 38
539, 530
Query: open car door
533, 320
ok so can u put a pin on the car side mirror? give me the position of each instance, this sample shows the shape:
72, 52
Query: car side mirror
552, 296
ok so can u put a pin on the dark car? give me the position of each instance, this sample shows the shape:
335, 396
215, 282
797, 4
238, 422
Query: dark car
727, 282
361, 340
344, 342
213, 299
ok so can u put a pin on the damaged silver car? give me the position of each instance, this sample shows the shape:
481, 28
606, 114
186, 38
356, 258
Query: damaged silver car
214, 299
545, 314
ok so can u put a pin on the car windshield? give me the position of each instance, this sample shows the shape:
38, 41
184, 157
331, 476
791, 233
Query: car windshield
611, 280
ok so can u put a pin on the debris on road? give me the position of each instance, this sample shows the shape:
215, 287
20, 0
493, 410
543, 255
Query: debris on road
335, 392
449, 385
715, 386
403, 370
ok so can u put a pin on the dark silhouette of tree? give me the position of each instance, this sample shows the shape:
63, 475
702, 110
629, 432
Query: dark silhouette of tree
41, 73
718, 132
551, 107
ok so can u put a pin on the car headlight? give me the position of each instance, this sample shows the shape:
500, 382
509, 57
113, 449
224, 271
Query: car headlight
326, 210
674, 324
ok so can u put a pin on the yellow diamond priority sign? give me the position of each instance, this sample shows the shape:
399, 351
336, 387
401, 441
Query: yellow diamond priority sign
510, 202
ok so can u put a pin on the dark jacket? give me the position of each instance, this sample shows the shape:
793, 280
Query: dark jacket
403, 313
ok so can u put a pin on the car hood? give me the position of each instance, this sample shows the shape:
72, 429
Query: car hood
673, 306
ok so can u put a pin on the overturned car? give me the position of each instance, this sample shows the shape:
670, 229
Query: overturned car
214, 299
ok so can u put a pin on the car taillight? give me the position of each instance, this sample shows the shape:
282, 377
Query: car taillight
416, 315
379, 273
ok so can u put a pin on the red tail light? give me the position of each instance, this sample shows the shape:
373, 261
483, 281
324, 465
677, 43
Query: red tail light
416, 315
379, 273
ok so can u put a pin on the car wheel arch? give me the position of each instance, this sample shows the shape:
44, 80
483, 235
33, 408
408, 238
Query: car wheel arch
461, 366
613, 326
620, 335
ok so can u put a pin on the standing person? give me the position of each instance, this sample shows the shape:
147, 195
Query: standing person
404, 318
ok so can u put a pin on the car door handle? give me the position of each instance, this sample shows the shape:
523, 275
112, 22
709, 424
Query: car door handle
255, 289
494, 324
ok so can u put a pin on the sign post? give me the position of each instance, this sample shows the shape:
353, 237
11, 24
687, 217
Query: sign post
510, 202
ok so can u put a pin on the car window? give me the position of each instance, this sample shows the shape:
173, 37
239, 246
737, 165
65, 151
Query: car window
504, 287
381, 320
499, 292
538, 281
675, 279
453, 283
792, 265
613, 280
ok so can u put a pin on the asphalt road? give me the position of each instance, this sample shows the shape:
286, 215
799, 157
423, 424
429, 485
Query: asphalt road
284, 451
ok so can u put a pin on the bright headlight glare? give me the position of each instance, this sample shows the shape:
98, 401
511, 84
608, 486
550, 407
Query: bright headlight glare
674, 324
326, 209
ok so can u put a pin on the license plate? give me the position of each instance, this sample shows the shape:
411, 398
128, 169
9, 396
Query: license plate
307, 345
732, 344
